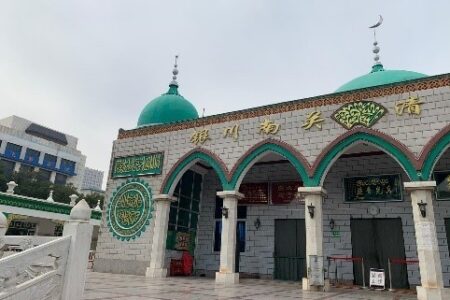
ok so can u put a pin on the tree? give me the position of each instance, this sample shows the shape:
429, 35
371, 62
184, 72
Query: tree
3, 179
61, 192
29, 184
93, 198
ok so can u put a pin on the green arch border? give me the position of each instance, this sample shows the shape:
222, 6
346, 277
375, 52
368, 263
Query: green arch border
268, 147
187, 160
432, 156
383, 144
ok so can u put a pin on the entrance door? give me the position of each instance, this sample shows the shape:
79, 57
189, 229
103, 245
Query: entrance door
290, 249
376, 240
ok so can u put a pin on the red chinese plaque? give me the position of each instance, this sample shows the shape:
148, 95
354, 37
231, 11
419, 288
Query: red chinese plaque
284, 192
255, 193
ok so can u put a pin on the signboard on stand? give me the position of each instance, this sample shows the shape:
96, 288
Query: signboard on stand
377, 279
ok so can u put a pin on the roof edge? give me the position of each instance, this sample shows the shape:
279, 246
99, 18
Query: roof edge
428, 82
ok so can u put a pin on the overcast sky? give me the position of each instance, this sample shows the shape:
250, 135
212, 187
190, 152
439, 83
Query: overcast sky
87, 68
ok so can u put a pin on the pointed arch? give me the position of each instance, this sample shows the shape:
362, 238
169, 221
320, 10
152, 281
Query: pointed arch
252, 155
433, 150
188, 160
398, 151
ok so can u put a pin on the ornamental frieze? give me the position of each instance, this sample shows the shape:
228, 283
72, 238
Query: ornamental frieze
365, 113
130, 210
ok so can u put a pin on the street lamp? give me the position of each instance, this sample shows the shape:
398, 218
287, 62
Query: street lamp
311, 210
422, 208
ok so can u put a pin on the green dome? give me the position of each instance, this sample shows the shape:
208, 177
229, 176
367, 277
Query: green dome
379, 76
167, 108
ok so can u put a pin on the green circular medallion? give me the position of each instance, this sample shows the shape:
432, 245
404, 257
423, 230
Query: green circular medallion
130, 209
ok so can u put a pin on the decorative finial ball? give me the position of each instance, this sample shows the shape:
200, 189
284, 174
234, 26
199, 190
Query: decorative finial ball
375, 43
175, 72
376, 49
376, 58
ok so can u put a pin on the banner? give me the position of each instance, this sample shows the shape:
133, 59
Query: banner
284, 192
254, 193
373, 188
138, 165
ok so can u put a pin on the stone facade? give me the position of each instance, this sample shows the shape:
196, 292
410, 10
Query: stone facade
411, 135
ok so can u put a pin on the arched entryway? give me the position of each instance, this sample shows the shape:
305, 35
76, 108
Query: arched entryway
178, 207
366, 213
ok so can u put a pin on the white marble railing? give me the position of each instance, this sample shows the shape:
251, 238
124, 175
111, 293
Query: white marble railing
10, 244
37, 271
37, 267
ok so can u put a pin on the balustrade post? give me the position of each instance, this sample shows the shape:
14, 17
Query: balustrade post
80, 230
3, 224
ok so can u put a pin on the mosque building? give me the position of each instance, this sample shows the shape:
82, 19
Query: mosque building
324, 187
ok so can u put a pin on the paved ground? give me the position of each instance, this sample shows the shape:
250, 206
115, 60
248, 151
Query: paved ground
112, 286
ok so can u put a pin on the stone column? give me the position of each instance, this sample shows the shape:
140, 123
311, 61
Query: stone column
157, 268
227, 273
426, 239
314, 227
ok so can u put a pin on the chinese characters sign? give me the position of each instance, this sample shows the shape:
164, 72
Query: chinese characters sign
269, 127
130, 210
284, 192
255, 193
412, 106
373, 188
442, 185
313, 119
359, 113
200, 136
144, 164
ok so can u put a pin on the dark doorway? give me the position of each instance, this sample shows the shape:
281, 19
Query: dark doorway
290, 249
447, 231
376, 240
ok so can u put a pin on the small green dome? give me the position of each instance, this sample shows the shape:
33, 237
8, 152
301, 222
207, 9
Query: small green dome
379, 76
167, 108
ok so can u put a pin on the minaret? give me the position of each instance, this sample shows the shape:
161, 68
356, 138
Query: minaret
377, 66
175, 72
173, 86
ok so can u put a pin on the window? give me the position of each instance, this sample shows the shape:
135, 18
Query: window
60, 179
49, 161
21, 228
44, 175
32, 156
240, 226
58, 230
67, 166
26, 169
8, 168
13, 150
183, 214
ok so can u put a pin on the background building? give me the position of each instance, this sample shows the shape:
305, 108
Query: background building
92, 181
27, 145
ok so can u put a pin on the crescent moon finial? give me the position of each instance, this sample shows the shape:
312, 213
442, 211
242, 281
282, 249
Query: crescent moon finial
380, 21
377, 66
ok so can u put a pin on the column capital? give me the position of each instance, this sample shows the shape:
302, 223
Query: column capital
164, 197
230, 194
419, 185
312, 190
